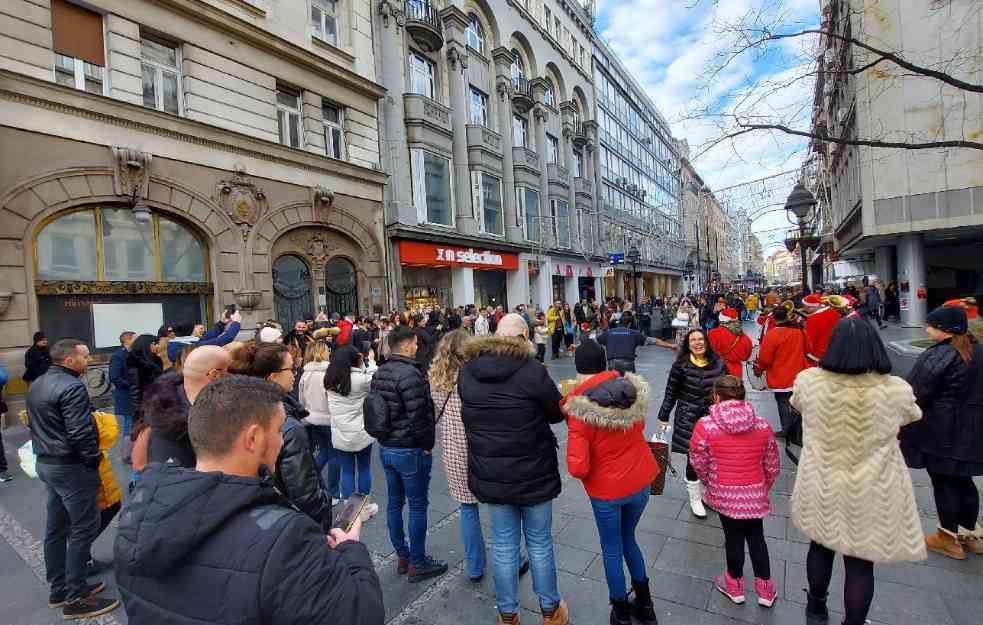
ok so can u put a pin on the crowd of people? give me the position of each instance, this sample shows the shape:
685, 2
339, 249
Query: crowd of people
240, 451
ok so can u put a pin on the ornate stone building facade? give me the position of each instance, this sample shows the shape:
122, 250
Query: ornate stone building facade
161, 160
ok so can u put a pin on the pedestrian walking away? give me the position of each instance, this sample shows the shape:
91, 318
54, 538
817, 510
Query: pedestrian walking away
782, 356
688, 390
734, 453
853, 494
948, 383
606, 450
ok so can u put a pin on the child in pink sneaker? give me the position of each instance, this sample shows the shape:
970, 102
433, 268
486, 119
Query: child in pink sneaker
735, 455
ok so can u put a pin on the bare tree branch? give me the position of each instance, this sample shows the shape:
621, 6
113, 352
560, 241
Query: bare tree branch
955, 143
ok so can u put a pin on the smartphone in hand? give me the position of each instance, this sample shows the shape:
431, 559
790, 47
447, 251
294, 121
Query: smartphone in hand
351, 512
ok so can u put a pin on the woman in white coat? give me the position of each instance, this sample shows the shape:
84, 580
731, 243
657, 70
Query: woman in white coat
347, 382
315, 400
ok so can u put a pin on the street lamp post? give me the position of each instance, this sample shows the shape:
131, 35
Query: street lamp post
633, 257
800, 201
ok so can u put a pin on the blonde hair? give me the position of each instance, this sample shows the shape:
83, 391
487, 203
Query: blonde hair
318, 351
448, 360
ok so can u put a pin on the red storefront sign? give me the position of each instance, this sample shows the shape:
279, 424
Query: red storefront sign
590, 272
564, 271
439, 255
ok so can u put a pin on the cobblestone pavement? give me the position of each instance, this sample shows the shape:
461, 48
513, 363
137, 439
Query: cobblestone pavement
682, 554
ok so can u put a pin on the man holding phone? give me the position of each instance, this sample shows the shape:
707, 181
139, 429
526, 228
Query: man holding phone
237, 552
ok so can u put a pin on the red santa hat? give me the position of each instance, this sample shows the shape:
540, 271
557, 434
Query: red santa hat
812, 300
850, 299
727, 315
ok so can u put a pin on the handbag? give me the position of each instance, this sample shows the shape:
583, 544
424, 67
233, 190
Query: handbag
659, 446
757, 382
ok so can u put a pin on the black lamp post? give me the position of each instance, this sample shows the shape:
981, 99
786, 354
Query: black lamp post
800, 201
633, 257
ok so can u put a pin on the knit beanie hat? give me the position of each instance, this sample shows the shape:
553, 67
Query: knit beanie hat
38, 336
589, 357
269, 335
949, 319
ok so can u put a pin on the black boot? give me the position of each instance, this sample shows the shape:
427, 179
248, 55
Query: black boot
641, 606
816, 611
620, 612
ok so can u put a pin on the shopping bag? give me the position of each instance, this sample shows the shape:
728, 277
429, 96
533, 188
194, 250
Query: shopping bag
757, 382
659, 445
28, 461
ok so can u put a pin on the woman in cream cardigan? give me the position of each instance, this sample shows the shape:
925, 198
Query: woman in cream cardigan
853, 492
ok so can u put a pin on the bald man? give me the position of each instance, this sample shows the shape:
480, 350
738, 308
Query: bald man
169, 399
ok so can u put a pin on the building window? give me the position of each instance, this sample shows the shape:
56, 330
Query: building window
475, 34
324, 20
552, 149
487, 200
561, 222
548, 15
550, 95
557, 29
432, 187
520, 131
161, 63
288, 115
518, 68
527, 200
421, 76
78, 45
478, 107
334, 130
577, 166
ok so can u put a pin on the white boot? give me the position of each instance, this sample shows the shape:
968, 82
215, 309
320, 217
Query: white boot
696, 498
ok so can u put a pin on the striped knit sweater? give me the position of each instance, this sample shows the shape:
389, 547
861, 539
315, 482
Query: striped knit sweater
853, 492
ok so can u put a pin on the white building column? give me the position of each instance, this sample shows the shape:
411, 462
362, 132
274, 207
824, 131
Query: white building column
884, 264
517, 285
571, 290
462, 286
619, 284
599, 289
911, 270
544, 286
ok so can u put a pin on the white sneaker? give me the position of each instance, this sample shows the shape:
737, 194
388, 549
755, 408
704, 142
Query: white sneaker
369, 511
335, 501
695, 490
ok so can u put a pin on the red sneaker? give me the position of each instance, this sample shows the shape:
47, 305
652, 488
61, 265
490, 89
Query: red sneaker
732, 588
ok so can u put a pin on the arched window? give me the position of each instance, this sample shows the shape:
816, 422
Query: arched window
550, 96
475, 34
518, 67
106, 244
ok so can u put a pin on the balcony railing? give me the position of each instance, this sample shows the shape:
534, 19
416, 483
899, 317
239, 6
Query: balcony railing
579, 136
521, 95
423, 24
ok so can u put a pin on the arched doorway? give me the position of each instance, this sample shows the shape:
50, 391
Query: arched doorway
291, 290
341, 286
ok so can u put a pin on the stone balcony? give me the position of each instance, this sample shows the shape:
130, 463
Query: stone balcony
480, 137
582, 186
425, 116
524, 157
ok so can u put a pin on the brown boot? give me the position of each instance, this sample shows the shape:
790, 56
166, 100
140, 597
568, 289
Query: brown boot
971, 540
511, 619
945, 543
560, 615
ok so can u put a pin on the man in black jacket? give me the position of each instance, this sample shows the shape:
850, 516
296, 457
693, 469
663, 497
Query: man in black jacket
508, 402
66, 443
220, 545
406, 440
37, 358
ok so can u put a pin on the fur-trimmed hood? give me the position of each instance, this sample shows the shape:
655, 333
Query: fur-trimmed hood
497, 358
609, 401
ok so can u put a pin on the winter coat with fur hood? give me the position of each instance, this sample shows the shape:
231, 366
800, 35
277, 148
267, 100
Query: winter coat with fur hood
606, 448
734, 453
508, 402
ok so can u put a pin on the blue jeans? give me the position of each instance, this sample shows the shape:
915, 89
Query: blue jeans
536, 523
326, 456
408, 479
349, 462
126, 425
473, 539
616, 521
72, 525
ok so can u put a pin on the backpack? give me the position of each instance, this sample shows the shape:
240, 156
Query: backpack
375, 413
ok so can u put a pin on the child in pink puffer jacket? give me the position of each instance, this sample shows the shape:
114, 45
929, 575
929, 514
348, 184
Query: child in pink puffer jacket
735, 455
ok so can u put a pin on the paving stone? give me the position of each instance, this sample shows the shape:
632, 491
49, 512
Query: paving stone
572, 559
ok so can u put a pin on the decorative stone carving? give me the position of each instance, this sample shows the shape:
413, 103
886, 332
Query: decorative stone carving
321, 200
503, 86
432, 110
131, 174
243, 201
391, 10
248, 300
72, 287
539, 111
5, 297
455, 56
317, 246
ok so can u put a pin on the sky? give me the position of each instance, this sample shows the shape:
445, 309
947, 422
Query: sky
673, 47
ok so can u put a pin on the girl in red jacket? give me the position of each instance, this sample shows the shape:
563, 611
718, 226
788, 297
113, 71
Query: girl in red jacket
607, 451
734, 453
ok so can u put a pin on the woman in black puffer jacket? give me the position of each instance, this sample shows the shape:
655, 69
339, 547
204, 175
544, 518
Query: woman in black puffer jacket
296, 474
948, 441
689, 390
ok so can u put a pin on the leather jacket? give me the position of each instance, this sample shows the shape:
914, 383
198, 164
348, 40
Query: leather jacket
62, 428
296, 474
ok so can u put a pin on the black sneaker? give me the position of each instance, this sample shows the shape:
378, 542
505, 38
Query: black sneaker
5, 476
57, 599
94, 567
88, 607
429, 568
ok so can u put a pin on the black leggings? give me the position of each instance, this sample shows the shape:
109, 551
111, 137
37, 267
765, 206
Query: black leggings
858, 587
736, 533
956, 500
557, 342
690, 471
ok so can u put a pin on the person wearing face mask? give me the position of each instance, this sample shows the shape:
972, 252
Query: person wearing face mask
295, 473
237, 553
688, 390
